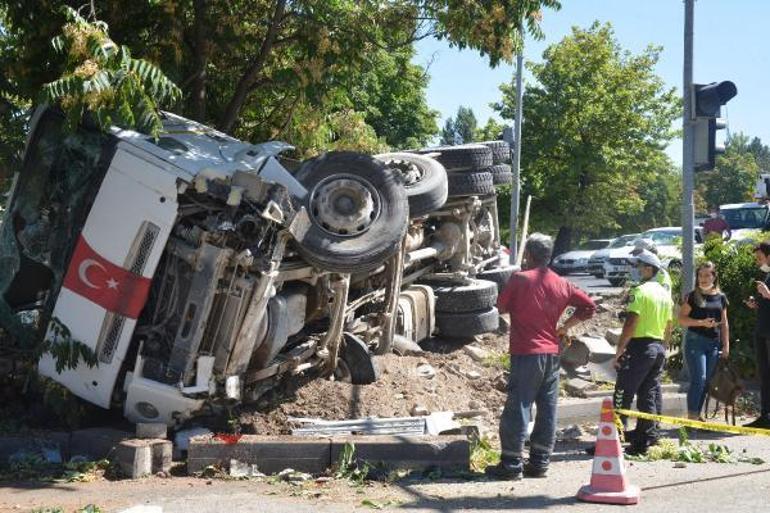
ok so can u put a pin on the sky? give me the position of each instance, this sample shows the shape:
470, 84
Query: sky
731, 42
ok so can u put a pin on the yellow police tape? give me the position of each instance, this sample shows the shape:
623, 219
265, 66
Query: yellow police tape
708, 426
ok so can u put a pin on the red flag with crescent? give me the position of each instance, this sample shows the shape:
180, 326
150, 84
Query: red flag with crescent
108, 285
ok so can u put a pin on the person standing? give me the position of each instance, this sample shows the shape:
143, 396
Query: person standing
535, 299
662, 276
762, 334
641, 353
716, 224
704, 314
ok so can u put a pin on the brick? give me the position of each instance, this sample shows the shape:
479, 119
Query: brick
151, 430
134, 458
162, 451
271, 454
96, 443
416, 453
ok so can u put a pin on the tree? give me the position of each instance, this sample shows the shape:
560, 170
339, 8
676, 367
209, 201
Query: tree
448, 134
596, 122
490, 132
761, 154
734, 176
249, 67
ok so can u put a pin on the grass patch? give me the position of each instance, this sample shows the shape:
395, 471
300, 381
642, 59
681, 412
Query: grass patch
498, 361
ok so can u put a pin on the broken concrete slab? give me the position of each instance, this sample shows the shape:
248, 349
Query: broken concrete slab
478, 354
154, 430
96, 443
577, 387
599, 350
613, 335
182, 440
415, 453
134, 458
271, 454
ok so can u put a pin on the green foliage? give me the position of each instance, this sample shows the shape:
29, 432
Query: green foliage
482, 454
734, 177
687, 452
66, 351
462, 130
348, 467
492, 131
595, 125
102, 79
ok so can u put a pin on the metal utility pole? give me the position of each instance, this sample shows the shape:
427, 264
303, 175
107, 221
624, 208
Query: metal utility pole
516, 162
688, 157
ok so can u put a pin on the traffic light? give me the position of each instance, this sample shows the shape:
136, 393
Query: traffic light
707, 109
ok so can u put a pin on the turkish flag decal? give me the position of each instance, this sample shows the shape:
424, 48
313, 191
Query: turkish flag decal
108, 285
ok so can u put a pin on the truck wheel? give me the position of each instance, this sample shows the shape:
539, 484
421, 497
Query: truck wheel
355, 364
477, 295
424, 179
475, 183
501, 174
358, 212
462, 158
499, 275
467, 324
501, 151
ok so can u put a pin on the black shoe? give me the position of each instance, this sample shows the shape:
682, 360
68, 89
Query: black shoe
636, 450
503, 471
531, 470
759, 422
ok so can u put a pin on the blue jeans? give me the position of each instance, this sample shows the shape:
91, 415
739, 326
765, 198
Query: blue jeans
701, 354
534, 379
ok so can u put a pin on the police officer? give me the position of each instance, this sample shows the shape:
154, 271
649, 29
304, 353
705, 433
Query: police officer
641, 353
662, 276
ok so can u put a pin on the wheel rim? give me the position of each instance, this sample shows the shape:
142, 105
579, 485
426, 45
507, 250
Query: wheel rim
344, 205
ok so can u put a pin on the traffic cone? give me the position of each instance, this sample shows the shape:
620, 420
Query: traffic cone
609, 483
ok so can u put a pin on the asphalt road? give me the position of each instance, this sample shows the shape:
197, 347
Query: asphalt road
590, 284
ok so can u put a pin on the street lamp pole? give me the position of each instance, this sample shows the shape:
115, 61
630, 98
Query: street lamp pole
688, 157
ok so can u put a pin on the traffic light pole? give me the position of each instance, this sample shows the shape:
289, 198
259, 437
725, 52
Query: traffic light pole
688, 157
516, 189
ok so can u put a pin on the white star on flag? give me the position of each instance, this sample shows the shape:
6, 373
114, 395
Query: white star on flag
112, 284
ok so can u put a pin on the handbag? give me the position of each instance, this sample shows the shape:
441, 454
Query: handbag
725, 386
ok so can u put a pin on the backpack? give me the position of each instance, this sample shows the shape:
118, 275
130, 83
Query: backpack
725, 386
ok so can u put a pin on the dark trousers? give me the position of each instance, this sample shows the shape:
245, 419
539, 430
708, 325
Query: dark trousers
762, 351
641, 367
534, 379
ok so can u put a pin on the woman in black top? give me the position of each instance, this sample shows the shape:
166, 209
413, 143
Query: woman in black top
704, 314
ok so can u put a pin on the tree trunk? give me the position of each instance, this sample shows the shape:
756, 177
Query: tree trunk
235, 105
202, 52
563, 241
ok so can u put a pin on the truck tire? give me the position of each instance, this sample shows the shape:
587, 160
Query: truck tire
424, 179
501, 174
475, 183
358, 212
499, 275
355, 364
467, 324
462, 158
501, 151
477, 295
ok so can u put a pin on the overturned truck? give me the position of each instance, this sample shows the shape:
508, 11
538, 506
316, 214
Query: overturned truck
201, 270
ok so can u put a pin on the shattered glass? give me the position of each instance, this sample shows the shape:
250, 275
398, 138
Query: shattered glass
61, 175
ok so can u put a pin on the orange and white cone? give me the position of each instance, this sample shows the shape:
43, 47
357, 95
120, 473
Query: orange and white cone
609, 483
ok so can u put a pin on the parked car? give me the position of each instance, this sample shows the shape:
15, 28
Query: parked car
576, 261
667, 240
597, 260
746, 219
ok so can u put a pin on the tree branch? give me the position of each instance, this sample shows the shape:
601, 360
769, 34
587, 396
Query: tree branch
235, 105
202, 51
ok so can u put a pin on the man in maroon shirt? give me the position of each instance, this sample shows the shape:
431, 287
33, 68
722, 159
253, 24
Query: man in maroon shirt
716, 224
535, 299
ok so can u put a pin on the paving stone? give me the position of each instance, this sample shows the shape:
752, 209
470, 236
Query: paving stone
162, 451
613, 335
